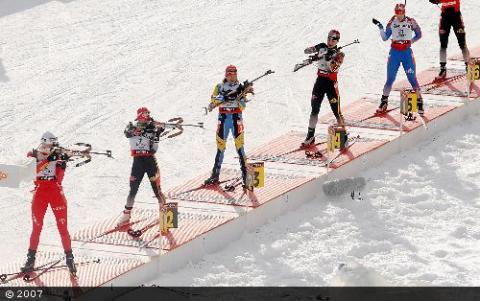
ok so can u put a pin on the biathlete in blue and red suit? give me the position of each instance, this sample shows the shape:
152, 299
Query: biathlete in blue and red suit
229, 97
403, 31
143, 136
451, 17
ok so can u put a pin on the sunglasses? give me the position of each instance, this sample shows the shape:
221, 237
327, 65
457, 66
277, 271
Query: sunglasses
231, 72
333, 38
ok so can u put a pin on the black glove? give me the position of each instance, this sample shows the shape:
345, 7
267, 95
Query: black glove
64, 157
243, 86
129, 130
150, 128
313, 58
434, 1
376, 22
53, 157
330, 53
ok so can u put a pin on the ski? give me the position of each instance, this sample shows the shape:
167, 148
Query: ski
28, 278
145, 244
139, 232
53, 265
342, 152
124, 227
4, 278
435, 83
303, 148
231, 187
313, 154
374, 115
205, 186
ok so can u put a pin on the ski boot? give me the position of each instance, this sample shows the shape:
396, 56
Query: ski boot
308, 142
383, 105
310, 138
213, 180
30, 263
442, 74
420, 107
70, 263
125, 218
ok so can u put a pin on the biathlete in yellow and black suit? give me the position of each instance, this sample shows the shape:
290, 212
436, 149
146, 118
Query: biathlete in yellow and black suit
229, 97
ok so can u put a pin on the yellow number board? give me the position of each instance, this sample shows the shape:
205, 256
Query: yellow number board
168, 217
256, 174
474, 70
408, 102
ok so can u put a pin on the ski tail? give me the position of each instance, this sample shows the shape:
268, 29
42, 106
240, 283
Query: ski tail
115, 229
139, 232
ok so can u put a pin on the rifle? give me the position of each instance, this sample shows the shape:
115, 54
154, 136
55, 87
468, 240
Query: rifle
176, 124
317, 56
242, 89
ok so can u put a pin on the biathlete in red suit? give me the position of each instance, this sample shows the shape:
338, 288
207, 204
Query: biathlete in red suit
51, 165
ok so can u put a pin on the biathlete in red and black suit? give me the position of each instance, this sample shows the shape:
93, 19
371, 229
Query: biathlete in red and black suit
143, 136
451, 17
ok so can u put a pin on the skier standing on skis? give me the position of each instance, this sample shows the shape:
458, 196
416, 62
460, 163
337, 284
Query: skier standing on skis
229, 97
451, 17
329, 59
144, 136
401, 29
51, 165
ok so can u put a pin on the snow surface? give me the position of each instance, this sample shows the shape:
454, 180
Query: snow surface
80, 68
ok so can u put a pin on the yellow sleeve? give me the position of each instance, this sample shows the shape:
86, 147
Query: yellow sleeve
213, 98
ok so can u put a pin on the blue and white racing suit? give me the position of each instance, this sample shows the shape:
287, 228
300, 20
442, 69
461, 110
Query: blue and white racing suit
403, 34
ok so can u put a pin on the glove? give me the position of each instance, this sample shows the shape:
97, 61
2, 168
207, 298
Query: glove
330, 53
64, 157
33, 153
53, 157
434, 1
246, 87
376, 22
211, 106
